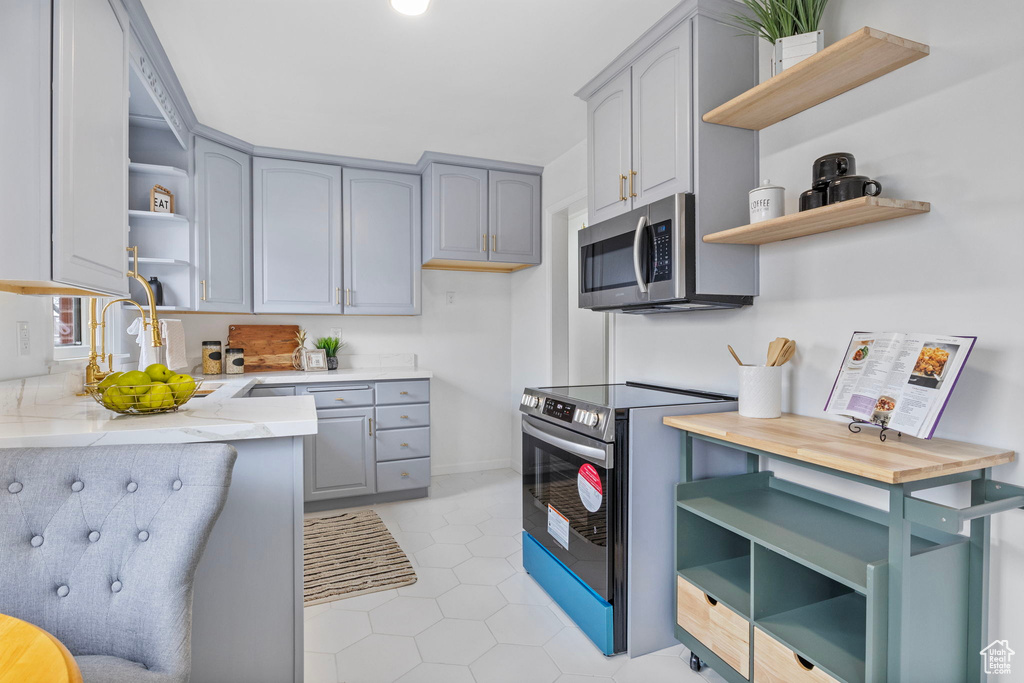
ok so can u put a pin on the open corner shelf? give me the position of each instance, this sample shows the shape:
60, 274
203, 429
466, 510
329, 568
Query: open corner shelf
823, 219
156, 169
858, 58
155, 216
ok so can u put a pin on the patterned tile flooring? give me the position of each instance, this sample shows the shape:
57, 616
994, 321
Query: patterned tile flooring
473, 616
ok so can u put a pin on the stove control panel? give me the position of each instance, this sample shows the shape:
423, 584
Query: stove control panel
559, 410
586, 418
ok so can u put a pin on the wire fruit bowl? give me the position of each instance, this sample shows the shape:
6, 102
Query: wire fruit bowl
135, 399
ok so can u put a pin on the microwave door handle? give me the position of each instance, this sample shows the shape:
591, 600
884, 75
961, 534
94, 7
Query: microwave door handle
637, 268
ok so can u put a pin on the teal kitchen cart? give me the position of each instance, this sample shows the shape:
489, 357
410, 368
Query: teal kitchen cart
783, 583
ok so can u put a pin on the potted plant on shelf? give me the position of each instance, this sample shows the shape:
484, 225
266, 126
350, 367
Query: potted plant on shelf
331, 346
791, 26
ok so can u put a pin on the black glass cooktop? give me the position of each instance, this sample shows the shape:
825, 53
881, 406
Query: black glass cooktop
622, 396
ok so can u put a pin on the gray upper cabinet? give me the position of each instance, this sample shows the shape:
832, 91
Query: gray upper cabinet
382, 234
66, 198
609, 150
340, 459
514, 217
223, 228
455, 213
296, 237
662, 147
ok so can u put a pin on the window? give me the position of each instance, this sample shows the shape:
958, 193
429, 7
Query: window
67, 321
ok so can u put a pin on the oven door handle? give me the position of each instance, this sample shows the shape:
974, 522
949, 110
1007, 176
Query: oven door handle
601, 455
637, 269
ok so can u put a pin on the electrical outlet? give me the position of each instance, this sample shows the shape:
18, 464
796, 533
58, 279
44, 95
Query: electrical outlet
449, 298
336, 332
24, 342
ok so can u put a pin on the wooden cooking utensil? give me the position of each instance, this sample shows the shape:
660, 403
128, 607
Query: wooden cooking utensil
787, 353
738, 361
774, 349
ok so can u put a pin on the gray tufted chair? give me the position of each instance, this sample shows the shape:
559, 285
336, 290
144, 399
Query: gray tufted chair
99, 546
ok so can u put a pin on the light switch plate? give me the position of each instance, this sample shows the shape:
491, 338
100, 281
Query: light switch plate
449, 298
24, 341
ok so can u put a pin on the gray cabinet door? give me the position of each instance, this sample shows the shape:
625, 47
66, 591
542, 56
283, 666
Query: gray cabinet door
514, 217
339, 458
90, 144
662, 147
608, 148
223, 228
455, 210
382, 243
296, 237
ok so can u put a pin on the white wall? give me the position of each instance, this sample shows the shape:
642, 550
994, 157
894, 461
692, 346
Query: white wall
37, 311
564, 182
947, 130
466, 345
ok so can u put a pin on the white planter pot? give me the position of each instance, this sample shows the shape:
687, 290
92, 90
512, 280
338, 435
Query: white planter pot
795, 49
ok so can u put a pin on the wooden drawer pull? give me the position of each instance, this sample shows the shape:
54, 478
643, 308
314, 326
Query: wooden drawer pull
804, 664
711, 600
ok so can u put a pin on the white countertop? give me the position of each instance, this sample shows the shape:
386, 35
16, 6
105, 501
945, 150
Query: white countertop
38, 413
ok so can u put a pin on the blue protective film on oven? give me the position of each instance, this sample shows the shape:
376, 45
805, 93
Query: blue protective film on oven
585, 607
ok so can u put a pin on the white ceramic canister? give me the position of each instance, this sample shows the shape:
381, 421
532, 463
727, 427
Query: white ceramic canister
760, 391
766, 202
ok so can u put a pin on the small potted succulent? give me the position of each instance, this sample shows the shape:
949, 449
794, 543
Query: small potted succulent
791, 26
331, 346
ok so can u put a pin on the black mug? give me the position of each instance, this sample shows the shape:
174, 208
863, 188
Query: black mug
852, 187
813, 198
832, 166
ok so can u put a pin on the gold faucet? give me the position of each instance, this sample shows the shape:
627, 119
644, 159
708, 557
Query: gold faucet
93, 372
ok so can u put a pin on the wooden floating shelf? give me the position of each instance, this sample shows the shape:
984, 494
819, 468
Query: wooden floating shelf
823, 219
155, 169
858, 58
153, 215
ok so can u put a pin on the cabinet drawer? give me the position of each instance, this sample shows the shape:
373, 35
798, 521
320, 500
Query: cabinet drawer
259, 391
402, 444
397, 417
722, 631
342, 397
776, 663
398, 475
389, 393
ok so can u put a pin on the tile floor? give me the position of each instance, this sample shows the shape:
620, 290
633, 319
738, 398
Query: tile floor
473, 615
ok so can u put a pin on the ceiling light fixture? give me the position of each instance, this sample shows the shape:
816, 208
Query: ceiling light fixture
410, 7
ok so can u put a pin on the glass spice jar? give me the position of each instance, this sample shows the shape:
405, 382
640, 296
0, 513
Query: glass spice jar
235, 361
213, 363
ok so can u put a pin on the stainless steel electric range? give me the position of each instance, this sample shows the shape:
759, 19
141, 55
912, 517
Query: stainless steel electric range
599, 476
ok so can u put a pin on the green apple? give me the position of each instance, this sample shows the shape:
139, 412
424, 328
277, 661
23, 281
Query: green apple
158, 372
159, 396
134, 382
182, 386
110, 380
115, 399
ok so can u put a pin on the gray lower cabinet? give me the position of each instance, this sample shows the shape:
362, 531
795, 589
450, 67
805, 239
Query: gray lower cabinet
64, 136
223, 228
381, 242
296, 237
514, 217
340, 458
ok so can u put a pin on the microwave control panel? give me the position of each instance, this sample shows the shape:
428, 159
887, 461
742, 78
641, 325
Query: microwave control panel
560, 410
661, 254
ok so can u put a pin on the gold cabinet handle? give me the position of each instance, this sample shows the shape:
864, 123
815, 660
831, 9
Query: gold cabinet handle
337, 296
494, 243
403, 393
404, 417
203, 283
622, 192
632, 174
405, 474
485, 243
370, 423
404, 445
339, 399
348, 296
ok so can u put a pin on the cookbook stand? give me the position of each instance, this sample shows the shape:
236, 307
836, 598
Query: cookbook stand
855, 424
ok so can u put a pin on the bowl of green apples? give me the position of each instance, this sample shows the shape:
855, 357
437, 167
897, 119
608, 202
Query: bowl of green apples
144, 392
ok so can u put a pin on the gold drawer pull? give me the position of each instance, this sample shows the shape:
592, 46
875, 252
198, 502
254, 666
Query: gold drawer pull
404, 417
404, 445
403, 393
339, 399
405, 474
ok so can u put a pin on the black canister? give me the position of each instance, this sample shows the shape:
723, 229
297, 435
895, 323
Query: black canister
158, 290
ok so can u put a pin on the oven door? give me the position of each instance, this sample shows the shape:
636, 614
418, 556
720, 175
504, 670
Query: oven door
570, 501
614, 258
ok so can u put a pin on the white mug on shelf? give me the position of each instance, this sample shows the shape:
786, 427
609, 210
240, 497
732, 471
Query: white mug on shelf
760, 391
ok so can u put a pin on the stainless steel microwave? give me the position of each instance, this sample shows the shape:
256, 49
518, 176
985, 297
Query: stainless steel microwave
649, 261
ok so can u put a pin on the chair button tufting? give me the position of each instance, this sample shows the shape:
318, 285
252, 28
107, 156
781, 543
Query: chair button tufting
176, 485
132, 487
94, 536
115, 587
77, 486
143, 535
62, 591
36, 541
15, 487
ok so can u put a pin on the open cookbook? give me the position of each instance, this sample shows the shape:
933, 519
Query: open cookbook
900, 381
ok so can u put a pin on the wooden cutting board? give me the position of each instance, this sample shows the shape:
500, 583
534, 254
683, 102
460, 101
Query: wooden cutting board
267, 347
